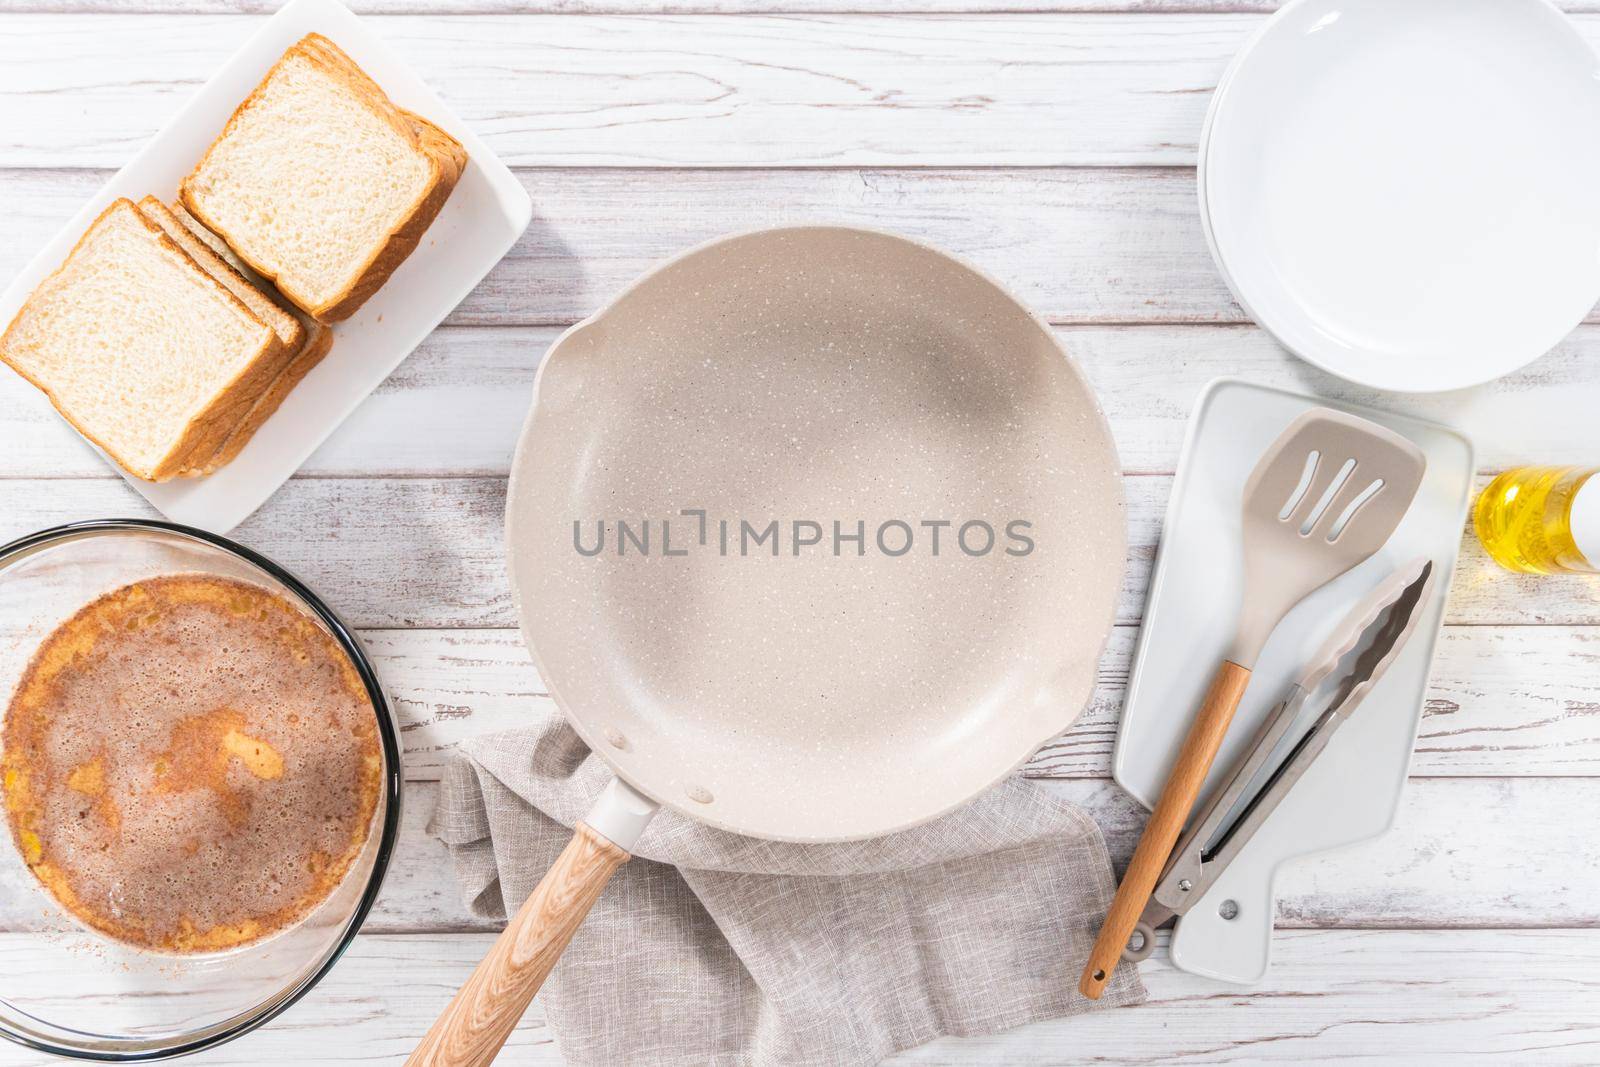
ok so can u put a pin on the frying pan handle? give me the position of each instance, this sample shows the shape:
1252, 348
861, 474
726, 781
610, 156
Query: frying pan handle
1166, 823
483, 1013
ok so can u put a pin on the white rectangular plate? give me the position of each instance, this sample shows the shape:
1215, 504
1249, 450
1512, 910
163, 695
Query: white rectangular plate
1352, 792
482, 219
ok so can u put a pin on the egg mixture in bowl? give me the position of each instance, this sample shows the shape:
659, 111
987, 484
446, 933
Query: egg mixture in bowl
199, 776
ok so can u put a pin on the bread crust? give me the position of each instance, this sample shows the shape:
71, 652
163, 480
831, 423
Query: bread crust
318, 342
449, 160
233, 401
205, 430
239, 411
445, 156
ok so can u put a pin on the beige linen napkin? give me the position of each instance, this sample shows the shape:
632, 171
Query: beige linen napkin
718, 950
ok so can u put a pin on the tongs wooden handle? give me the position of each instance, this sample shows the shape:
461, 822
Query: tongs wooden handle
1161, 833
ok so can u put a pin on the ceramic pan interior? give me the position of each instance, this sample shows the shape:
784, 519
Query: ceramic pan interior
813, 376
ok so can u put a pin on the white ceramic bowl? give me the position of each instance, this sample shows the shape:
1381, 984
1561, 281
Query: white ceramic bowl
1403, 192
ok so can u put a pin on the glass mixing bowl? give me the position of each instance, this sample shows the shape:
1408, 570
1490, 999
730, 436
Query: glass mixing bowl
67, 990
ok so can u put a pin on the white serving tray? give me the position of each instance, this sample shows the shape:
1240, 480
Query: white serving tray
1352, 793
486, 213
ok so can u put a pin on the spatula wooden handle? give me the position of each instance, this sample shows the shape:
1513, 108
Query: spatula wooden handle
488, 1007
1199, 749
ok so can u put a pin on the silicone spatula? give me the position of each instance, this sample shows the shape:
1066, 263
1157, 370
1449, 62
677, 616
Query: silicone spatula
1323, 498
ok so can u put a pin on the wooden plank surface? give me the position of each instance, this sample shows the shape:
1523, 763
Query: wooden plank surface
456, 405
1052, 146
1531, 865
1413, 997
427, 552
1505, 701
1077, 245
1416, 997
986, 89
687, 90
989, 89
655, 7
1444, 865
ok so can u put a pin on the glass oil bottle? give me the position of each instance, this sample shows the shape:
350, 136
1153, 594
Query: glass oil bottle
1542, 520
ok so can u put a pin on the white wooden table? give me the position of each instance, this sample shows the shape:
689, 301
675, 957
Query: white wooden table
1054, 145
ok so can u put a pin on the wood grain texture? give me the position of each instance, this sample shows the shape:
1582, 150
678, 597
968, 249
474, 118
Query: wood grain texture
657, 7
1431, 997
428, 552
684, 90
1505, 701
1464, 853
456, 405
1414, 997
1166, 822
1077, 245
979, 90
1052, 149
479, 1019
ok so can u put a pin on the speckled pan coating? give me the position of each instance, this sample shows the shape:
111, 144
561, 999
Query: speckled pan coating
828, 374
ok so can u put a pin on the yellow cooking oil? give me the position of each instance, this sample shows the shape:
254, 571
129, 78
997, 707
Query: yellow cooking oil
1542, 520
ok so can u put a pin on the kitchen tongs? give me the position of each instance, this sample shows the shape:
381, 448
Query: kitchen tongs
1364, 645
1322, 499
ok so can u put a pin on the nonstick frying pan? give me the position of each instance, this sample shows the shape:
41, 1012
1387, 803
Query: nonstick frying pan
814, 533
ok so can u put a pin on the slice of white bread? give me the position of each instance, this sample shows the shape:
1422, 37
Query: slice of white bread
321, 183
231, 258
149, 356
289, 329
312, 339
